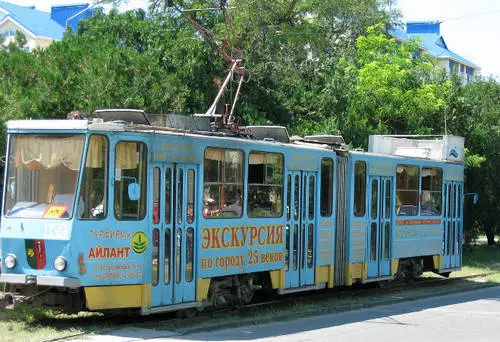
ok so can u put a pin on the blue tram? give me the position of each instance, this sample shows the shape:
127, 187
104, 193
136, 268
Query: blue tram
108, 214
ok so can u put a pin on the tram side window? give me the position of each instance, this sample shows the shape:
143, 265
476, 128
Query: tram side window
326, 187
94, 185
130, 171
223, 183
360, 189
265, 184
407, 177
431, 197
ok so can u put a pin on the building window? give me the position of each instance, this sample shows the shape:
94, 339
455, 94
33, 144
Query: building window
130, 176
191, 207
166, 255
178, 256
360, 189
156, 195
373, 242
95, 181
407, 190
451, 65
189, 254
155, 255
374, 200
9, 33
168, 194
265, 184
312, 195
310, 245
223, 183
431, 197
326, 190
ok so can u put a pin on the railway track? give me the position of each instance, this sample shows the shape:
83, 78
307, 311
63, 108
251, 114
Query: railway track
338, 297
287, 307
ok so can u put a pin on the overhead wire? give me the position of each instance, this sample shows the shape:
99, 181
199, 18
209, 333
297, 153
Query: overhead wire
472, 15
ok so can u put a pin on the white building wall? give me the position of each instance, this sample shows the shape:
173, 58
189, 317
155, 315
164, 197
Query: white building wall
42, 42
445, 64
460, 68
32, 41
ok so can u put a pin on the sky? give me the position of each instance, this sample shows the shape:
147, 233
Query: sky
44, 5
470, 28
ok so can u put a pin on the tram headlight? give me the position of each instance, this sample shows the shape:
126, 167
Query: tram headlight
10, 261
60, 264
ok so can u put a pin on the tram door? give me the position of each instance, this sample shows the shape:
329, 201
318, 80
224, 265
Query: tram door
173, 234
452, 214
300, 226
379, 229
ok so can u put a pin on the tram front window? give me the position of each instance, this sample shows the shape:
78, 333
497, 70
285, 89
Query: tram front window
42, 175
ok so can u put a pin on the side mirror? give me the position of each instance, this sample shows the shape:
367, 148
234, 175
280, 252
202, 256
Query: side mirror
134, 191
475, 196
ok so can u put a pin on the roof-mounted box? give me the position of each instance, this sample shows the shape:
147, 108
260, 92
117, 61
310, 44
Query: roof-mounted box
332, 140
276, 133
442, 147
134, 116
184, 122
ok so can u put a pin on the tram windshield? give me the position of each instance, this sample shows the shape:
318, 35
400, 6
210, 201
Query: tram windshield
42, 175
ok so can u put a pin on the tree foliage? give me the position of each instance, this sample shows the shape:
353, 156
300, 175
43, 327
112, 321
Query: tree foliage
397, 89
475, 114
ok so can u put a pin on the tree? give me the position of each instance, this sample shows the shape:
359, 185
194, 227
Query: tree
294, 49
474, 112
398, 90
20, 39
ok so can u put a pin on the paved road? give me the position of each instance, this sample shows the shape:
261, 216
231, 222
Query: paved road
470, 316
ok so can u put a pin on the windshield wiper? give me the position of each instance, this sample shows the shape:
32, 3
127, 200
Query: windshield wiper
12, 212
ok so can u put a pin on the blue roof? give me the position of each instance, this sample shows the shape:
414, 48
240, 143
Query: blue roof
433, 44
35, 21
71, 14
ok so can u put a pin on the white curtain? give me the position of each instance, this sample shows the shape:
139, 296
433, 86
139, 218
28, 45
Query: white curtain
34, 152
126, 155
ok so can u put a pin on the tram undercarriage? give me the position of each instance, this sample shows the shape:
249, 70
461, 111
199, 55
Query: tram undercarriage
65, 299
224, 292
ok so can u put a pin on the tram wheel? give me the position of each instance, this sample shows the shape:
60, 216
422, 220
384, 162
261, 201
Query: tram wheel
383, 284
187, 313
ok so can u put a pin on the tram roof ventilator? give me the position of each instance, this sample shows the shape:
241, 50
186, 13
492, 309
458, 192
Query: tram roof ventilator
134, 116
139, 117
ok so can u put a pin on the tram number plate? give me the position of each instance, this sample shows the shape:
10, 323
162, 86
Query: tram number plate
56, 231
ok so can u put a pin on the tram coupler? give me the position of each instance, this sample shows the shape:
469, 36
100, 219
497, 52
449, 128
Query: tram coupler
7, 300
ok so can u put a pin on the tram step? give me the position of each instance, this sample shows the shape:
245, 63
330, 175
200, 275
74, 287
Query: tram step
301, 289
166, 308
370, 280
453, 269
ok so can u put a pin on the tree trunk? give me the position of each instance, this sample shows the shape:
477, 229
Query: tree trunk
491, 238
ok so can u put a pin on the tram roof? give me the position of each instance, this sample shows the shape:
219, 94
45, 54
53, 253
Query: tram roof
114, 126
82, 126
53, 125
